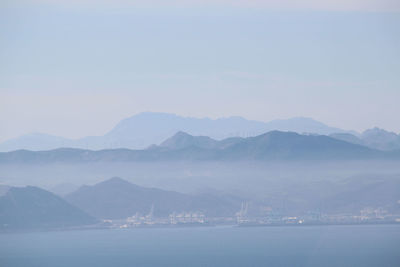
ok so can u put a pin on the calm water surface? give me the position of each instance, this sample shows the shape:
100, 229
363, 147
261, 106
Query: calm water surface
372, 245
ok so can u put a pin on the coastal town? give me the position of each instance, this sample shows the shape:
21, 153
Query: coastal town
242, 219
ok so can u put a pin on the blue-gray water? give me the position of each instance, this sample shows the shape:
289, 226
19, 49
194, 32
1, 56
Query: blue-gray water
372, 245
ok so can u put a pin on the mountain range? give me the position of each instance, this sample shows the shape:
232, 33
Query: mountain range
145, 129
374, 138
148, 128
274, 145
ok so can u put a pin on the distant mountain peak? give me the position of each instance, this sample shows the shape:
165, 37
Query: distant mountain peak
182, 140
180, 134
377, 130
115, 181
381, 139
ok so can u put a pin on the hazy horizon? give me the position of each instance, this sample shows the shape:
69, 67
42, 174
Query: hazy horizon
75, 69
192, 117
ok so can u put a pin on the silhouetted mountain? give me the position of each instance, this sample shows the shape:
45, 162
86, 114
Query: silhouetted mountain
288, 145
374, 138
117, 199
381, 139
273, 145
34, 208
144, 129
183, 140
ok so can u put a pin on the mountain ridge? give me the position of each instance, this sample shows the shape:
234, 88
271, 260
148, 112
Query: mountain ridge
147, 128
375, 138
274, 145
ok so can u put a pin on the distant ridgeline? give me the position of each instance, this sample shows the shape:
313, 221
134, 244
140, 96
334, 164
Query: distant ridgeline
145, 129
274, 145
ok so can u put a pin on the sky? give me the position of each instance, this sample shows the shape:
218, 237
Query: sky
76, 68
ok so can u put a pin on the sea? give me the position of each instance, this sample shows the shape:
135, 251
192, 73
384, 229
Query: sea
341, 245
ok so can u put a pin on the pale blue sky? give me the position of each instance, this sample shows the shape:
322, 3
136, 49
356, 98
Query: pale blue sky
74, 70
